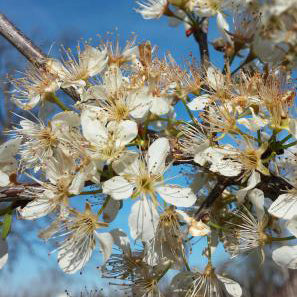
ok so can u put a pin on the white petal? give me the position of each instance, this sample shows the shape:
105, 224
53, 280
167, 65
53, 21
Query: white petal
199, 103
200, 158
160, 106
113, 79
9, 149
143, 220
70, 118
4, 179
128, 163
78, 183
72, 257
226, 167
176, 195
157, 154
121, 239
292, 225
37, 209
215, 78
127, 131
232, 287
118, 188
293, 127
286, 256
3, 252
284, 207
106, 242
253, 180
223, 26
140, 105
93, 130
253, 124
95, 59
256, 196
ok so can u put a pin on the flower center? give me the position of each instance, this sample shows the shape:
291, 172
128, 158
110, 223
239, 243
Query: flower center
145, 184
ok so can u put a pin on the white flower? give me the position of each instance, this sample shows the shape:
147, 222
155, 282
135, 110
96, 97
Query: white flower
158, 101
207, 283
210, 8
75, 72
167, 242
152, 9
245, 233
34, 87
116, 101
40, 141
107, 142
285, 206
143, 176
8, 163
194, 142
53, 195
80, 230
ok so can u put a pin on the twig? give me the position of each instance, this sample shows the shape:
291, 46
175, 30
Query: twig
200, 36
221, 185
26, 47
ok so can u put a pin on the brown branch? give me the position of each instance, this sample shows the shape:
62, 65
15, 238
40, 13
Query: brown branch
23, 44
26, 47
222, 183
272, 186
200, 35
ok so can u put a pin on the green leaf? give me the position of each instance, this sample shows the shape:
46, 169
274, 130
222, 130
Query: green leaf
6, 224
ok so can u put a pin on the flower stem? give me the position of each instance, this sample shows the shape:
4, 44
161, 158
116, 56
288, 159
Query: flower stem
286, 138
104, 205
54, 99
91, 192
289, 145
282, 238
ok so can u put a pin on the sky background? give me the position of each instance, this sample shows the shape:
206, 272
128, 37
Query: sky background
46, 22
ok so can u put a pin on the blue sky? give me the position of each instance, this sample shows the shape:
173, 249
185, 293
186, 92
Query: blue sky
46, 21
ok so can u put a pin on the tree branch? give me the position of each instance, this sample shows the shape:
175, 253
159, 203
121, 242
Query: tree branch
26, 47
200, 35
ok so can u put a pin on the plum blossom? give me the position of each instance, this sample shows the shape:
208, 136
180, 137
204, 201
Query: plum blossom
141, 176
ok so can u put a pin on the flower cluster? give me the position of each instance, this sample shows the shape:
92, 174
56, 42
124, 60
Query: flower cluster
266, 28
122, 140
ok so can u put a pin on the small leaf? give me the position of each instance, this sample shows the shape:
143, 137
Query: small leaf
6, 224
